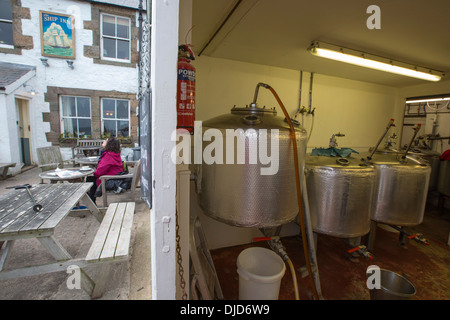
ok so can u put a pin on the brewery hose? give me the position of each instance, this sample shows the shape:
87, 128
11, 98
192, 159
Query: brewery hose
276, 245
294, 278
299, 195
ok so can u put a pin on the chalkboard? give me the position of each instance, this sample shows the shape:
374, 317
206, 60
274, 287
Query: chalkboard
145, 132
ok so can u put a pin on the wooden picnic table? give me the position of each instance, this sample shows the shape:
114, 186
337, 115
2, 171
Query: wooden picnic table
18, 221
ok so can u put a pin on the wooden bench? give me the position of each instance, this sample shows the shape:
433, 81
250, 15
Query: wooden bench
51, 158
135, 179
4, 169
86, 148
112, 241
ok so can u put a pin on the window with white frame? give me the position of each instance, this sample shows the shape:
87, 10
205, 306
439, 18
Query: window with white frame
115, 37
6, 24
115, 117
76, 117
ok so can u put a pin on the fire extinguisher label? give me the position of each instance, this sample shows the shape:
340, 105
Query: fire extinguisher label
183, 86
186, 75
186, 96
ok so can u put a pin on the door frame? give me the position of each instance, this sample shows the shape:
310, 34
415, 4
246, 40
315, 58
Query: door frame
23, 122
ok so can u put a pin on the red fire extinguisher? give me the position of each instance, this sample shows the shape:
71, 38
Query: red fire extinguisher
185, 89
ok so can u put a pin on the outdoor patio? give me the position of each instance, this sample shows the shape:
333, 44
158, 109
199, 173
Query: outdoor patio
129, 280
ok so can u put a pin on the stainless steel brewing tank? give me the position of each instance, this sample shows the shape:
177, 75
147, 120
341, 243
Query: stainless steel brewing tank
340, 192
443, 185
401, 189
238, 194
433, 159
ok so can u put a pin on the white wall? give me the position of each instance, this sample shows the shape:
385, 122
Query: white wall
357, 109
5, 136
85, 75
360, 110
164, 49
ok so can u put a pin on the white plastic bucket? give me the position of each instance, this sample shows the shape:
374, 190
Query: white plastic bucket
260, 271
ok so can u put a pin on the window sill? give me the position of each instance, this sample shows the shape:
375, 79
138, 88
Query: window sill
119, 63
116, 60
67, 142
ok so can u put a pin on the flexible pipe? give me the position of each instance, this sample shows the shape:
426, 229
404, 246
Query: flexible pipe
294, 278
297, 183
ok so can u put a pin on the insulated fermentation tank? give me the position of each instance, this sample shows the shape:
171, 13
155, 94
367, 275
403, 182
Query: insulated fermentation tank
248, 180
340, 192
401, 189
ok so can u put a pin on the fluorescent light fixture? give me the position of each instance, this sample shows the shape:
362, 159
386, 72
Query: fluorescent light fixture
428, 100
367, 60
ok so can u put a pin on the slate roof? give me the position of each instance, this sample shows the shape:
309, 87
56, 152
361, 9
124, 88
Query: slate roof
11, 72
123, 3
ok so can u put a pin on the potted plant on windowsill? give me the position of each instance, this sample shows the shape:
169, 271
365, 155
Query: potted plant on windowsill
67, 139
124, 141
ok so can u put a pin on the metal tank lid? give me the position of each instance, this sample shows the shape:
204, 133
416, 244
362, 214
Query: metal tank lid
423, 152
253, 109
336, 162
393, 158
251, 116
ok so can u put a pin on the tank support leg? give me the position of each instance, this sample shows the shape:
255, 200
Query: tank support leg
403, 236
372, 235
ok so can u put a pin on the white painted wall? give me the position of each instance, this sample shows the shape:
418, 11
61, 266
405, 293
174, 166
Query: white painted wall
4, 137
85, 75
358, 109
163, 79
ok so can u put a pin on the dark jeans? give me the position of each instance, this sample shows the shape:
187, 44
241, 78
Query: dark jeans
93, 188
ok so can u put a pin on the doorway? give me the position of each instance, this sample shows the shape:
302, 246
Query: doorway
24, 129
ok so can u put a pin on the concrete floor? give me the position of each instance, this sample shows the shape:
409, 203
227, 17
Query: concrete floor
343, 278
130, 280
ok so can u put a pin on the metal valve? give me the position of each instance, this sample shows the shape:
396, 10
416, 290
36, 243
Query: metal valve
333, 142
361, 250
419, 238
275, 244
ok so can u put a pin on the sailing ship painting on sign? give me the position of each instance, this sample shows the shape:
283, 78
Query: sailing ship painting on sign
57, 35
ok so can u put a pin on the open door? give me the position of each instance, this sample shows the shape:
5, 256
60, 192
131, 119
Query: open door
24, 129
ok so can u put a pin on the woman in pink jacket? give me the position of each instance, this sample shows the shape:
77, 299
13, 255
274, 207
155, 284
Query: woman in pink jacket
109, 163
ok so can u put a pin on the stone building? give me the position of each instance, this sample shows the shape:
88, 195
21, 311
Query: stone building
68, 70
